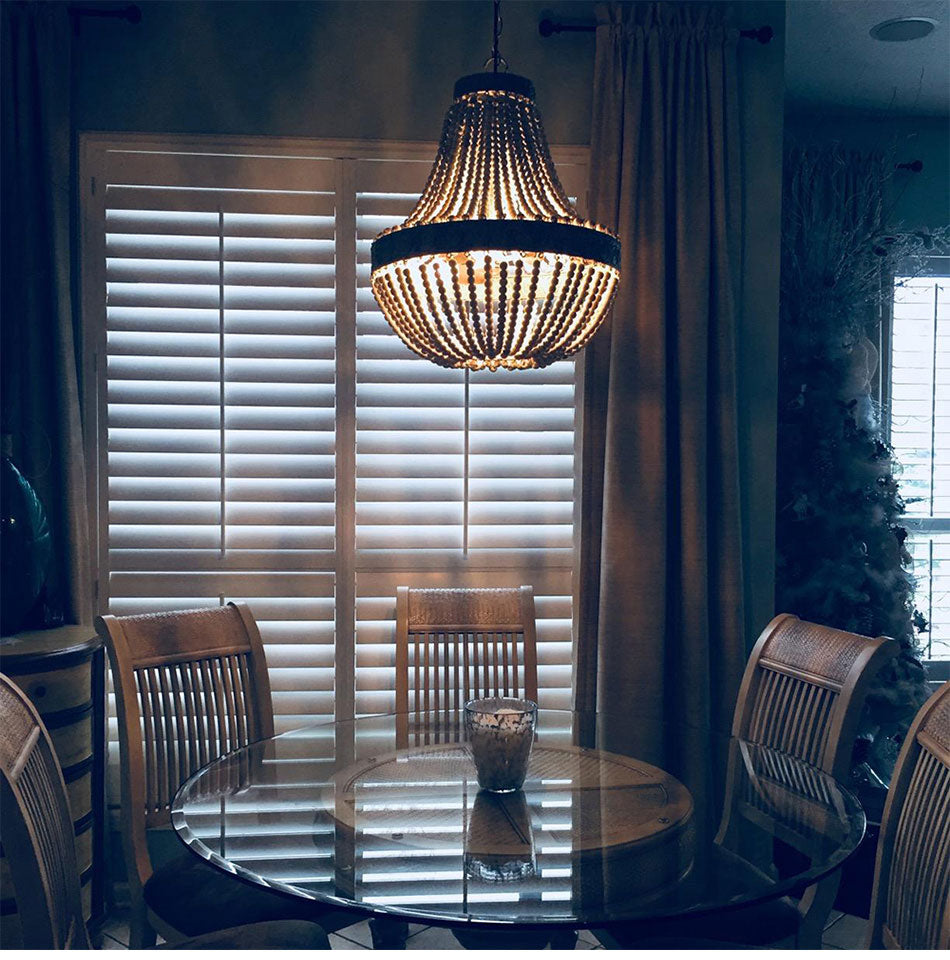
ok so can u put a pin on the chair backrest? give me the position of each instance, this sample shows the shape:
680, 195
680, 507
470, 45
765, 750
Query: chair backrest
804, 688
454, 645
190, 686
37, 830
910, 903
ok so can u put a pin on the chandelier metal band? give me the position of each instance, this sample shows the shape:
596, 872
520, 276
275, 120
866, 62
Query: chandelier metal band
494, 268
428, 239
500, 82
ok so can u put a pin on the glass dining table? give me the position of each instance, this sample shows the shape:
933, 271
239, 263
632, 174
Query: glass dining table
382, 816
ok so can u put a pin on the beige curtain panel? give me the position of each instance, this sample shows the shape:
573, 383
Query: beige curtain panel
660, 618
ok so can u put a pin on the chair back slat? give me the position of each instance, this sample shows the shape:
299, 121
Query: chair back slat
190, 686
37, 829
804, 689
192, 712
910, 905
791, 715
454, 645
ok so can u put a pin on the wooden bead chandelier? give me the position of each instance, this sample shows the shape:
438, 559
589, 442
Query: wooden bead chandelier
493, 268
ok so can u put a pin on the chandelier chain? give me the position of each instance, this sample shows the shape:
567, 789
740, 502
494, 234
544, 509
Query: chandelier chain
497, 25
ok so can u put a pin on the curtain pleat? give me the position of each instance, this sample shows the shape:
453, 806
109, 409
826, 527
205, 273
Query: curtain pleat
660, 600
40, 381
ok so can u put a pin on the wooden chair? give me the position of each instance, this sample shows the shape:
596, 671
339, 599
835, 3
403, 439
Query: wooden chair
41, 856
804, 689
190, 686
802, 693
910, 902
454, 645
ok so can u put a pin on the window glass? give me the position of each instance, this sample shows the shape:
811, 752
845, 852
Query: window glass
920, 434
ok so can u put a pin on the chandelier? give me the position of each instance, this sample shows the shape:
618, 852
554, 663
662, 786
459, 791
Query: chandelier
494, 268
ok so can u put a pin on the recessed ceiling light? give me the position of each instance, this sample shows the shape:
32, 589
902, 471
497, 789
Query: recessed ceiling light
903, 28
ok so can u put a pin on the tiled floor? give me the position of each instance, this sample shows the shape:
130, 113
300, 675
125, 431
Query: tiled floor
843, 932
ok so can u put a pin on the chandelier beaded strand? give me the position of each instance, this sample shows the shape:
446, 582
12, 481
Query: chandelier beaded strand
493, 268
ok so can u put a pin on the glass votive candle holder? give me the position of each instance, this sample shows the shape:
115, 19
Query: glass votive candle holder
500, 732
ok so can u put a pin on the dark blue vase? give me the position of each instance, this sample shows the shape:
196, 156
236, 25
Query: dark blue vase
25, 547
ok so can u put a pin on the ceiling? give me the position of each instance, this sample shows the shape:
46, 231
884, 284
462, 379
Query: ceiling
833, 65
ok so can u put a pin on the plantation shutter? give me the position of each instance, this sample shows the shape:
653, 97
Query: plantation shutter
462, 479
264, 436
220, 305
920, 434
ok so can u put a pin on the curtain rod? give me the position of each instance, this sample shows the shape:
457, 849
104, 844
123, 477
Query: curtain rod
548, 27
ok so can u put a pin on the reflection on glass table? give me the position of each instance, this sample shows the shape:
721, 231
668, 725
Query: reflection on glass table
337, 813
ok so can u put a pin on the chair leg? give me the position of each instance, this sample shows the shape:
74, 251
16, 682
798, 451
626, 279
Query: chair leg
388, 934
607, 938
141, 932
564, 939
815, 906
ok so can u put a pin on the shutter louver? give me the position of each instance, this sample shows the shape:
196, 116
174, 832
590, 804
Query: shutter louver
920, 435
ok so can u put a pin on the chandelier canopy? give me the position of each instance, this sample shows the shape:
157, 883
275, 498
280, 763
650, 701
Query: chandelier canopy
494, 268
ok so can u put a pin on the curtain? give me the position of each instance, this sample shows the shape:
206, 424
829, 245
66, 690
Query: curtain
40, 382
660, 598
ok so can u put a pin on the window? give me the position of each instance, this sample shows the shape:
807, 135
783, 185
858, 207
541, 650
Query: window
920, 434
262, 435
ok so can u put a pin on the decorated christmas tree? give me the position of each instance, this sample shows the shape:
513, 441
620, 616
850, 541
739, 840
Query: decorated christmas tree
841, 558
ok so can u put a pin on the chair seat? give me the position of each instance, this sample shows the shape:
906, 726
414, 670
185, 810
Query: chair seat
196, 898
270, 935
758, 925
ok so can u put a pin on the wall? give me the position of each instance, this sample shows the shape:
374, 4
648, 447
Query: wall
369, 69
914, 200
339, 69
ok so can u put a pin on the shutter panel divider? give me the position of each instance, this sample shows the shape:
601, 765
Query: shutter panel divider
346, 340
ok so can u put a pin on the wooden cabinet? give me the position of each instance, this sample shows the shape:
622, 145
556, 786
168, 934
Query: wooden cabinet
63, 672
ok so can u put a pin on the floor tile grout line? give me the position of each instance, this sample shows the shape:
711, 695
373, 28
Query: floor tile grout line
343, 936
114, 934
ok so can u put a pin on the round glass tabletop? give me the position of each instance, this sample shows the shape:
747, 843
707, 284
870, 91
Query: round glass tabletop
383, 814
